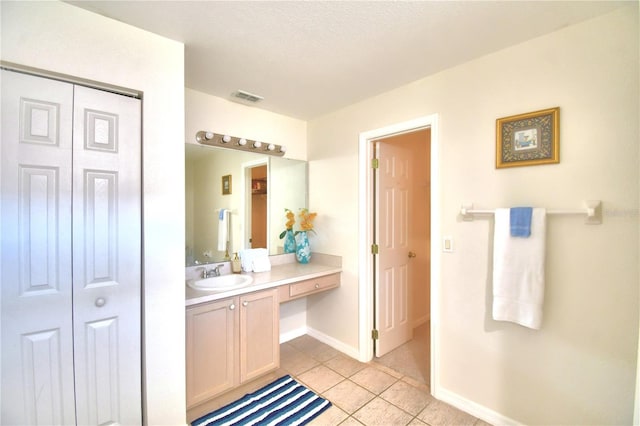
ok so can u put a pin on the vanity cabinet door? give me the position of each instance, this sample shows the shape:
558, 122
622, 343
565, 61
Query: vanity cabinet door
212, 347
259, 333
231, 341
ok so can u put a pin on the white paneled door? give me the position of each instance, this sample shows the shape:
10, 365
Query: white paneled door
392, 230
71, 254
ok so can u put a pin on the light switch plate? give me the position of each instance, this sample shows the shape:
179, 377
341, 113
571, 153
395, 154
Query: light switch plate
447, 244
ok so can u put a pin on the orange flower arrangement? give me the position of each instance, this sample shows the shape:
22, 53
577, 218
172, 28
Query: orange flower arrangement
291, 220
306, 220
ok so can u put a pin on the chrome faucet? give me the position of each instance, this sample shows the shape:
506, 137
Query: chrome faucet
214, 272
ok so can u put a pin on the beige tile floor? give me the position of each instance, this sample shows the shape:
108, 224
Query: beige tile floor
412, 359
361, 393
365, 393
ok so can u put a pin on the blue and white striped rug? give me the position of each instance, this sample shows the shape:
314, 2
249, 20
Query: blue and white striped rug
283, 402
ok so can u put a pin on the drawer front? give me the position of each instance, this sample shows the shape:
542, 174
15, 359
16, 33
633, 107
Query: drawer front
314, 285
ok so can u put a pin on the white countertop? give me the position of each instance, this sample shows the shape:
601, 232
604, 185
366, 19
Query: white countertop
283, 271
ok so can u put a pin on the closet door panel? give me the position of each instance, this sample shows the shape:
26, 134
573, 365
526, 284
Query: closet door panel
100, 231
107, 257
36, 300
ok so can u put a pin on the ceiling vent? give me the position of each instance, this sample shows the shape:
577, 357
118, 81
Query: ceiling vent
247, 97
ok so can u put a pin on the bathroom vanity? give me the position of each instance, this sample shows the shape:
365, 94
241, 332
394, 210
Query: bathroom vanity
232, 335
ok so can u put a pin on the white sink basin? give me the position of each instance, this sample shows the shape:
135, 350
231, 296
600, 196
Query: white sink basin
223, 282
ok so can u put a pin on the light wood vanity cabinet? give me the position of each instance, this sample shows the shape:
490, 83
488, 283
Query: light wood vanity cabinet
234, 340
229, 342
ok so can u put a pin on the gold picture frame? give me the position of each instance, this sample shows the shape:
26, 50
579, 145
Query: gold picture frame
528, 139
226, 185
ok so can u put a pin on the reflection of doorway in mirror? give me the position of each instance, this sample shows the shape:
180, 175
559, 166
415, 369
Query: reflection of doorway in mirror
259, 207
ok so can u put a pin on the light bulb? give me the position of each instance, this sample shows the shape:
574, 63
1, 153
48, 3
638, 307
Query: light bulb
257, 144
208, 135
242, 142
283, 148
226, 139
271, 147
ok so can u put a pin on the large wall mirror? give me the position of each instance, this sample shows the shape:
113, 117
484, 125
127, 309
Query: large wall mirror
254, 188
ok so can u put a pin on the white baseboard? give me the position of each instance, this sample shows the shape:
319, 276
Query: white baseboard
475, 409
335, 344
292, 334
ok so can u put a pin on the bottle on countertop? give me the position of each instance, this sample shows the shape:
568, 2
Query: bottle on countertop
236, 266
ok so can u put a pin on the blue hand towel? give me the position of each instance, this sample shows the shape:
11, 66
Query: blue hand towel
520, 221
223, 229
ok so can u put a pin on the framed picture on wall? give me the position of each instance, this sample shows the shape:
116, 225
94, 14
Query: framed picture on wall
528, 139
226, 185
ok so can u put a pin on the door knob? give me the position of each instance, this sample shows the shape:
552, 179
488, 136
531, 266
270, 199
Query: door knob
412, 254
100, 302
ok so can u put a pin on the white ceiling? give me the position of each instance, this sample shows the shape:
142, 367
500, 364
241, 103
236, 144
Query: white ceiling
308, 58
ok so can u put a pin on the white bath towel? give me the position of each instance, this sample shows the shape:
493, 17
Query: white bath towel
255, 260
518, 271
246, 260
261, 263
223, 229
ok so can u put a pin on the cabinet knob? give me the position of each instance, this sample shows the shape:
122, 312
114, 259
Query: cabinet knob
232, 306
100, 302
245, 303
317, 285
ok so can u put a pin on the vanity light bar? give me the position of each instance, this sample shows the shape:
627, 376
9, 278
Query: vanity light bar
241, 144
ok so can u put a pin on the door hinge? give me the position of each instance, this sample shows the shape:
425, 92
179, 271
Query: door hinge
375, 163
374, 249
374, 334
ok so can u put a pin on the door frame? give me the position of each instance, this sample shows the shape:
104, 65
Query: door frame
366, 223
245, 202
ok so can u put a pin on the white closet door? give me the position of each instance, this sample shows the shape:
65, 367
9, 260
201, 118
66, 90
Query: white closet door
37, 342
107, 257
71, 254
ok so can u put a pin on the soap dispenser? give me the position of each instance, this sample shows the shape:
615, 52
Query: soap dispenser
236, 266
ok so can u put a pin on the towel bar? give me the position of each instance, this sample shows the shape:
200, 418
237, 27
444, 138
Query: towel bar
592, 209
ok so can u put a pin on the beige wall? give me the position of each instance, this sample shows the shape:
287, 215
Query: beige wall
211, 113
580, 367
59, 37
